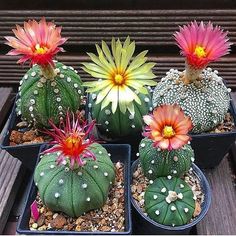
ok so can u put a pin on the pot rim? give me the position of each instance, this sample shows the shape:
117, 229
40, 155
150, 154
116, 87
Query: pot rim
207, 201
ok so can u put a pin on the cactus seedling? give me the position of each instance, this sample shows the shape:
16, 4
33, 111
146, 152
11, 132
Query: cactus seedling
49, 88
74, 175
198, 90
169, 201
119, 98
165, 150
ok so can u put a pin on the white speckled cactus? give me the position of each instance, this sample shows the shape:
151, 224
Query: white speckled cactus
48, 89
198, 90
119, 98
74, 176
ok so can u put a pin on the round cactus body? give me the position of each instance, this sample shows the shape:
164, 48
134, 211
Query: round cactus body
169, 201
120, 124
206, 101
156, 162
75, 191
41, 99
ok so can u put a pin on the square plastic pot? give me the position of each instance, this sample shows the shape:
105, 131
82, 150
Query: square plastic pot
119, 152
26, 153
210, 148
142, 224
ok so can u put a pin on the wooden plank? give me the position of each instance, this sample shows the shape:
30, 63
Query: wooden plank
221, 218
5, 103
10, 178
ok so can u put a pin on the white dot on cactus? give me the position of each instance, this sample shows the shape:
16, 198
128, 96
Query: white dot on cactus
32, 101
43, 80
107, 112
181, 186
76, 85
229, 90
142, 145
173, 224
26, 77
154, 196
150, 172
39, 84
106, 122
32, 115
137, 154
41, 174
169, 177
151, 181
168, 200
36, 92
76, 71
79, 173
21, 82
19, 88
52, 166
57, 70
133, 126
175, 158
109, 154
67, 169
64, 162
158, 149
19, 93
36, 184
163, 190
56, 90
60, 107
31, 108
173, 208
107, 130
57, 195
53, 84
88, 199
131, 117
157, 212
189, 142
94, 96
68, 79
110, 183
194, 197
84, 186
61, 181
58, 99
186, 210
190, 169
150, 108
33, 73
100, 152
174, 171
19, 113
152, 161
105, 174
79, 92
146, 99
61, 113
180, 195
64, 67
192, 159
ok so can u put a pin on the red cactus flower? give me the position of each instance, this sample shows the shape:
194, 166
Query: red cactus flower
202, 44
71, 141
37, 42
168, 127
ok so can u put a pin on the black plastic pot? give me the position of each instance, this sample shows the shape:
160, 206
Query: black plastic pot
142, 224
119, 152
210, 148
26, 153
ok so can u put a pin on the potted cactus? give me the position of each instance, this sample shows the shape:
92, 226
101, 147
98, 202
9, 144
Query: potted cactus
77, 180
47, 90
169, 193
120, 96
199, 90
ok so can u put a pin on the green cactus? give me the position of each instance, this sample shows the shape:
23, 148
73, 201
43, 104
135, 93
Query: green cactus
169, 201
75, 191
156, 162
41, 99
120, 124
206, 101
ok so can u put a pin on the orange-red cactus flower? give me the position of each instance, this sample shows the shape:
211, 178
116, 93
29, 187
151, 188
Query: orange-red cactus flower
202, 43
37, 42
71, 141
168, 127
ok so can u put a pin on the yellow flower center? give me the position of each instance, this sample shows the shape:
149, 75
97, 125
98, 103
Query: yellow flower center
200, 51
168, 132
72, 143
119, 79
40, 50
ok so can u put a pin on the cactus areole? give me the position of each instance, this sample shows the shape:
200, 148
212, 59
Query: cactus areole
75, 175
200, 91
48, 89
120, 97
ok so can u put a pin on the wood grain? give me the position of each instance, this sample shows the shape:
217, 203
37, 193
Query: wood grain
221, 218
